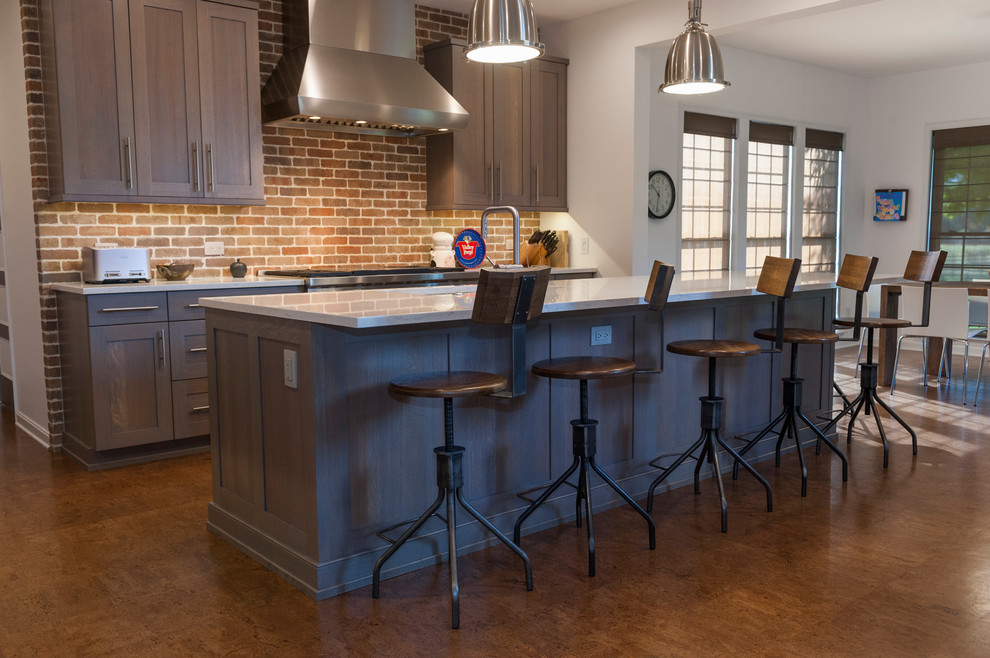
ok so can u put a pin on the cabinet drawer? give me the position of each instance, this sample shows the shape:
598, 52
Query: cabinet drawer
184, 305
190, 408
127, 308
187, 348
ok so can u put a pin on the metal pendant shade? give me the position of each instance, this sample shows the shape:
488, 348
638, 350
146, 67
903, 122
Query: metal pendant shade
503, 31
694, 63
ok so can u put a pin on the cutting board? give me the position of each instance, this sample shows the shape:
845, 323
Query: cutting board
533, 254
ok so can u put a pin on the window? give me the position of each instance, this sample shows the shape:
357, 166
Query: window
768, 216
959, 218
822, 173
706, 193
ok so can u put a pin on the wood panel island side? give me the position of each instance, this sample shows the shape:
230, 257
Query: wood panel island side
312, 456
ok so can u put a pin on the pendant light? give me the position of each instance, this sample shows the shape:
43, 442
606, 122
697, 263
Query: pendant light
503, 31
694, 63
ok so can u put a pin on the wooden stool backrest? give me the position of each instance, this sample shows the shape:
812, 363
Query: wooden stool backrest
857, 272
778, 276
498, 298
658, 288
926, 267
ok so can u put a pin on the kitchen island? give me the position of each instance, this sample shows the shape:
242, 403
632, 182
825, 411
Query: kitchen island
312, 456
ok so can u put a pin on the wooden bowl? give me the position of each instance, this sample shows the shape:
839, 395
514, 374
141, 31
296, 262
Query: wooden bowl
175, 271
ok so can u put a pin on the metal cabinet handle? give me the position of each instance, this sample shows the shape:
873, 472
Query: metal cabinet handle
126, 309
210, 174
499, 181
203, 408
491, 178
161, 347
196, 349
128, 175
537, 183
194, 306
195, 166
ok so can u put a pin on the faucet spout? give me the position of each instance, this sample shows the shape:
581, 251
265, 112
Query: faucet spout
515, 227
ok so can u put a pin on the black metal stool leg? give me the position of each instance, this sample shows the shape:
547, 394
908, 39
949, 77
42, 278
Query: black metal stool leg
410, 531
870, 404
527, 567
582, 490
886, 407
756, 439
717, 476
752, 471
629, 501
516, 530
584, 446
586, 481
828, 442
845, 399
450, 482
793, 392
704, 454
670, 469
455, 589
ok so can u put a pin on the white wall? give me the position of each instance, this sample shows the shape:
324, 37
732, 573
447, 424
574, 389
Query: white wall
19, 241
619, 128
763, 89
904, 110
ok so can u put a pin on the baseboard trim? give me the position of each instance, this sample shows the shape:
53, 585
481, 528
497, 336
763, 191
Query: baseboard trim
32, 429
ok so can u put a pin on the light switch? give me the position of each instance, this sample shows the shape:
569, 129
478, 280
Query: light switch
290, 368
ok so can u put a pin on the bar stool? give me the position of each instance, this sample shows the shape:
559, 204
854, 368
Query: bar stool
777, 278
584, 429
923, 267
522, 292
856, 274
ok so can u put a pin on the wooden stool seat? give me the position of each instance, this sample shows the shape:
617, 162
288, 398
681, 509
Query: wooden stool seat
583, 367
874, 323
713, 348
795, 336
458, 384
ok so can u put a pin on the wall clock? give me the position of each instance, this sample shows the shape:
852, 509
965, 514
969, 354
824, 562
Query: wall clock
662, 195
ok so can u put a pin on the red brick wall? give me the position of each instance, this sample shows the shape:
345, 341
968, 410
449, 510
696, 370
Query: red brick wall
333, 199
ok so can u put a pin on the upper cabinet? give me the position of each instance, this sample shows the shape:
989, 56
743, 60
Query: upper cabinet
153, 100
513, 151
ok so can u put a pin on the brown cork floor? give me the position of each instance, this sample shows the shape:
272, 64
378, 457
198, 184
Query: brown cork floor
893, 563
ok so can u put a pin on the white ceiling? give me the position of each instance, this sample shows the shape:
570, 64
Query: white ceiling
869, 38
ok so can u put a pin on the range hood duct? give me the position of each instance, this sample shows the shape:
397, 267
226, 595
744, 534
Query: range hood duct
350, 66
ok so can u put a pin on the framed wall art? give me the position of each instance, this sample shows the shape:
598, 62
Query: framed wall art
890, 206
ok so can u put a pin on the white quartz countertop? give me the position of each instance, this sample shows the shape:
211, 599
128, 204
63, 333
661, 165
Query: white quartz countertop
361, 309
161, 285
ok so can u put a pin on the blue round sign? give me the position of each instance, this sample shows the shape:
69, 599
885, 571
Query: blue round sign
469, 248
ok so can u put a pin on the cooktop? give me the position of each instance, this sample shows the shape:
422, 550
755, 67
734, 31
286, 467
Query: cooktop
321, 272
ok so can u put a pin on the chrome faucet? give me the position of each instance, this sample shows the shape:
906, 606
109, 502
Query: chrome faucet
515, 227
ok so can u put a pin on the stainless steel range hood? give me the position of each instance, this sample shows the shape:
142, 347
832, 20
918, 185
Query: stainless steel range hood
349, 65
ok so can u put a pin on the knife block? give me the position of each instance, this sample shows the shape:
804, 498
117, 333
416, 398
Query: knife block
534, 254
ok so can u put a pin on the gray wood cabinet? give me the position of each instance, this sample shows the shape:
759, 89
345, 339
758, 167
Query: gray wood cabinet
153, 100
134, 373
514, 148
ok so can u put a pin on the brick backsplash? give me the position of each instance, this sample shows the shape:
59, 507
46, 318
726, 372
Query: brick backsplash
332, 199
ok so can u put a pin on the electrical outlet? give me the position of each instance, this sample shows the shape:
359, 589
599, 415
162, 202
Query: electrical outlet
213, 248
290, 369
601, 335
585, 246
508, 244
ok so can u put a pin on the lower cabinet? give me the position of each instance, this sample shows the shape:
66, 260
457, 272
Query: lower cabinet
134, 373
132, 385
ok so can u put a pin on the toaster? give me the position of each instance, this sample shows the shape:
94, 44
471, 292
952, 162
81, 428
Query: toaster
115, 264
